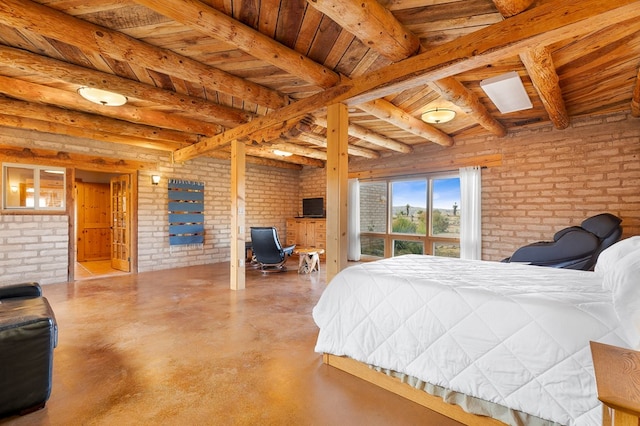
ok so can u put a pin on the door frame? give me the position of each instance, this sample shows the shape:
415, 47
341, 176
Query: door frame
71, 211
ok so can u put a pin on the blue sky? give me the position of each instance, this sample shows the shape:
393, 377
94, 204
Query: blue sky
446, 192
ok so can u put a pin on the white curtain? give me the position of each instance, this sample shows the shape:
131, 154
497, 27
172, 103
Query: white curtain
470, 213
353, 225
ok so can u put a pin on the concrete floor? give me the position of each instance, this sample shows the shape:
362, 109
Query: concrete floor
177, 347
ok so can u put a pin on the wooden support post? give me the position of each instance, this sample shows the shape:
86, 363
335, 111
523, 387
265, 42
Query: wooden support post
337, 176
238, 206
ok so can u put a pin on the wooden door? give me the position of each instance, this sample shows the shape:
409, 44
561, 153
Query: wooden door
121, 223
94, 236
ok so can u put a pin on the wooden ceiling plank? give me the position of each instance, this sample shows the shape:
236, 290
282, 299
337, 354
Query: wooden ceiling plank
391, 42
31, 16
543, 25
93, 122
198, 15
73, 74
539, 64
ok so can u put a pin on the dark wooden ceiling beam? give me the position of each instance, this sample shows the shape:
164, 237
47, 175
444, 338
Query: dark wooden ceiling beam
543, 25
539, 65
91, 38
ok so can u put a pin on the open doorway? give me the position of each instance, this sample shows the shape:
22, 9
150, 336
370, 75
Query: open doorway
102, 224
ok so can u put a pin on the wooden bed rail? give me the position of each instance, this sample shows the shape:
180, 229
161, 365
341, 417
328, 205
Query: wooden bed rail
392, 384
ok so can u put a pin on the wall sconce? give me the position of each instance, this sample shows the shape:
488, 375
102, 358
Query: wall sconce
14, 188
155, 179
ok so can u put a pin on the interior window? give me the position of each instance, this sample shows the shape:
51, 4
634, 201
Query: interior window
33, 187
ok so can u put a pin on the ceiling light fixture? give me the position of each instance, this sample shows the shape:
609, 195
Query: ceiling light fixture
102, 97
438, 115
282, 153
507, 92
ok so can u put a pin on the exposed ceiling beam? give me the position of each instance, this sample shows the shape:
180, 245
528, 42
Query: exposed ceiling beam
73, 74
282, 145
367, 135
90, 38
226, 155
385, 34
509, 8
384, 110
543, 25
542, 72
20, 89
267, 152
92, 123
321, 141
211, 22
16, 122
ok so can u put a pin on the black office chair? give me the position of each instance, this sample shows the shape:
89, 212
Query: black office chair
575, 247
268, 253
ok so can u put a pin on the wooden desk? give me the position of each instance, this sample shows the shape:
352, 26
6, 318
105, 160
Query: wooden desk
309, 259
618, 381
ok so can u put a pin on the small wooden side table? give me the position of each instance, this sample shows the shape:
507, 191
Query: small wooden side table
618, 381
309, 259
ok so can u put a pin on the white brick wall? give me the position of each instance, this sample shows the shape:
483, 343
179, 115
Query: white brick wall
33, 248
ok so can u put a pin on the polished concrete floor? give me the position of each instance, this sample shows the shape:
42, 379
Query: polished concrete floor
177, 347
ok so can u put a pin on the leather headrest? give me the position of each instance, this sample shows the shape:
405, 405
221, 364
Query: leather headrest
562, 232
602, 225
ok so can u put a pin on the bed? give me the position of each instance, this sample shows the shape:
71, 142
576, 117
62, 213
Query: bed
508, 341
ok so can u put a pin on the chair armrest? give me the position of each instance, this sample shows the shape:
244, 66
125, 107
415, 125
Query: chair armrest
28, 290
289, 250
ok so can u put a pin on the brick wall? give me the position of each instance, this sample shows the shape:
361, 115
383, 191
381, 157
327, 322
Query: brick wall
33, 248
272, 196
549, 179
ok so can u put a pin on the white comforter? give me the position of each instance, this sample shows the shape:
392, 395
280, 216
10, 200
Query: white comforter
516, 335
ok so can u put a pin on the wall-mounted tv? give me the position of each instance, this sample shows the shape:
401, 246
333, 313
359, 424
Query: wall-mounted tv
313, 207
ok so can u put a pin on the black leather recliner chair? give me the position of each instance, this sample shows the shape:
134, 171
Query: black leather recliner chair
269, 254
575, 247
28, 335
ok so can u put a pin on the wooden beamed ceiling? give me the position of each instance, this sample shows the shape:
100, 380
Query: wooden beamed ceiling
200, 74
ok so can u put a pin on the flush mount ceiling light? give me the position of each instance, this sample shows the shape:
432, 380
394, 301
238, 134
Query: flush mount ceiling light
102, 97
507, 92
282, 153
438, 115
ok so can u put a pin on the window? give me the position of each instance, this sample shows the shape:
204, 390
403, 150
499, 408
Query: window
418, 215
33, 187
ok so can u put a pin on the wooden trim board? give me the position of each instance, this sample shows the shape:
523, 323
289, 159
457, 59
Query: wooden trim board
392, 384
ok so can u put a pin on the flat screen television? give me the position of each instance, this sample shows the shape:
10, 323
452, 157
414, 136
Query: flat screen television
313, 207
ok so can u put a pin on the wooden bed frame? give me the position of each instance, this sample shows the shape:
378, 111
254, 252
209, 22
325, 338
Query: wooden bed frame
392, 384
